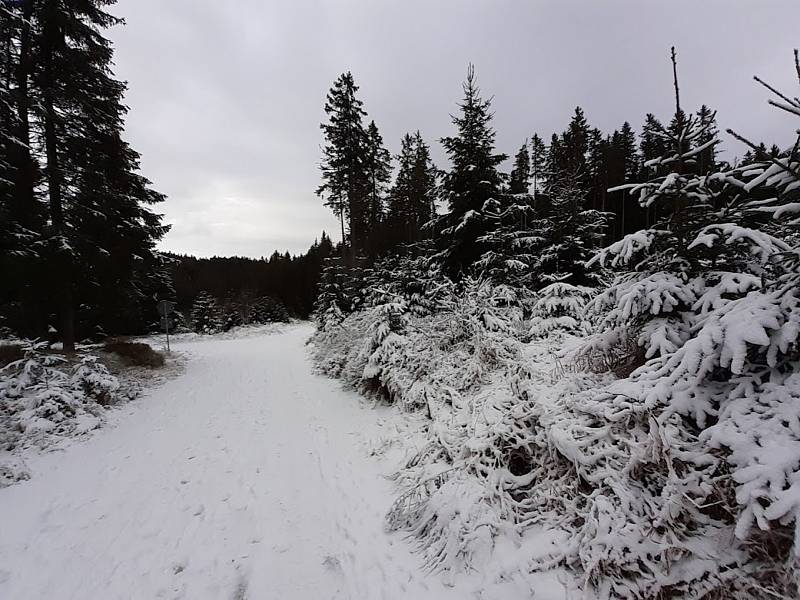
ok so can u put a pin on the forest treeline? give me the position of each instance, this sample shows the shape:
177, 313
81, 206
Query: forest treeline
537, 224
291, 280
79, 224
471, 214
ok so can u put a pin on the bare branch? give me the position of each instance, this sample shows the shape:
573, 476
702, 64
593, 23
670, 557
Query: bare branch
675, 81
791, 109
774, 91
797, 63
760, 152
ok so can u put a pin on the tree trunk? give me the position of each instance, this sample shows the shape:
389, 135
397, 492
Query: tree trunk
54, 186
24, 180
341, 222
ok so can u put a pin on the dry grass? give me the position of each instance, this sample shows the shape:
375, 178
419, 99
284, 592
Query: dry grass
136, 353
622, 359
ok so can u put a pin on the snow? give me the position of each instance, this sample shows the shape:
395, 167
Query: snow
246, 477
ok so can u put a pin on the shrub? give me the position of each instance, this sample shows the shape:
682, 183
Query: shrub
136, 353
42, 396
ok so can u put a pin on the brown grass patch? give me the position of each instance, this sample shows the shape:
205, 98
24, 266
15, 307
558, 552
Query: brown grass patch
136, 353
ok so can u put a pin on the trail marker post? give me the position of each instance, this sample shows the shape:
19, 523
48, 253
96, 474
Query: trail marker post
165, 307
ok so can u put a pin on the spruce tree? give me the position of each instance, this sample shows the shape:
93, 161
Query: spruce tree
472, 180
21, 216
378, 164
519, 179
425, 187
570, 233
707, 159
623, 167
664, 265
597, 166
653, 145
555, 159
413, 196
206, 314
94, 240
24, 215
538, 157
712, 301
568, 152
345, 180
511, 243
399, 212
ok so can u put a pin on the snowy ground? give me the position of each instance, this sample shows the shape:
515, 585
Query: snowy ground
246, 477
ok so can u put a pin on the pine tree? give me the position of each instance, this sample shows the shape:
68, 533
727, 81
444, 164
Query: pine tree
206, 316
413, 197
22, 216
597, 167
378, 164
344, 171
94, 241
570, 234
653, 145
664, 261
269, 310
712, 301
629, 152
399, 211
555, 159
521, 173
511, 243
568, 155
538, 156
623, 167
707, 159
425, 186
472, 180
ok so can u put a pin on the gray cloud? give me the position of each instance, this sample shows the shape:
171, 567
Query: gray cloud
226, 97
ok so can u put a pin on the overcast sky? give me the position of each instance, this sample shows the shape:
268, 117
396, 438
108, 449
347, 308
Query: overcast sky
226, 96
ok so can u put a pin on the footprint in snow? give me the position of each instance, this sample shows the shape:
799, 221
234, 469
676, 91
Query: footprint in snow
331, 563
240, 593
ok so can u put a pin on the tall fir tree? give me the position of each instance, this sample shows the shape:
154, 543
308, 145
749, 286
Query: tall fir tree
623, 167
472, 180
23, 299
520, 177
538, 157
378, 164
652, 145
94, 238
400, 196
345, 181
412, 199
597, 165
707, 158
425, 187
568, 156
569, 234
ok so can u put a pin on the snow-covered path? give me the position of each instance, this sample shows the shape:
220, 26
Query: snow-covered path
245, 477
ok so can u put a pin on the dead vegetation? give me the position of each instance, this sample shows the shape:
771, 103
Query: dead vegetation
135, 353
